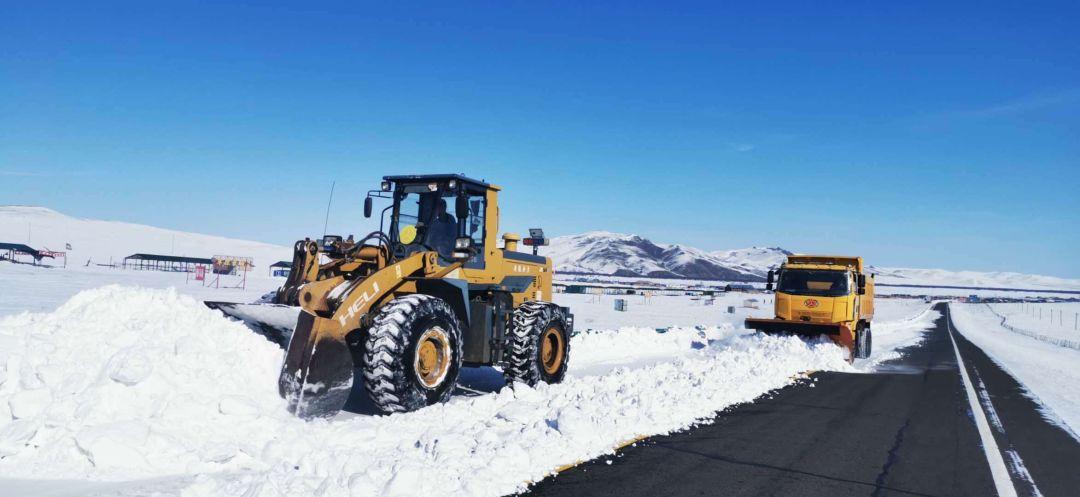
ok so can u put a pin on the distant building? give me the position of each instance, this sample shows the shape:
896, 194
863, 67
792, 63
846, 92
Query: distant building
280, 269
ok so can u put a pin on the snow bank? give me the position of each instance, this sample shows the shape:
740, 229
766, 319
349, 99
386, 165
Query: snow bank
889, 337
123, 382
129, 384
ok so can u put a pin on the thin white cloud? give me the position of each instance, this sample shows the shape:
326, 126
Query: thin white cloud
9, 172
43, 174
1021, 105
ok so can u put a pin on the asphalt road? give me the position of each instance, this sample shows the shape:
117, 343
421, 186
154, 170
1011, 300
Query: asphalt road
909, 430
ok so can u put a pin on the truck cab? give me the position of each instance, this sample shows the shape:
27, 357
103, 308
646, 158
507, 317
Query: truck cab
822, 295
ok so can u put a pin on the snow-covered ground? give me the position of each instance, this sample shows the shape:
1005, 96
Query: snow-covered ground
1057, 320
1050, 372
105, 242
120, 382
149, 391
41, 289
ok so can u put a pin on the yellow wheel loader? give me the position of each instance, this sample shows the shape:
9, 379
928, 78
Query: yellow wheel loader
411, 304
823, 295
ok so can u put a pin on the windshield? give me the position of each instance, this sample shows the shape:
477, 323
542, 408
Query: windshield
424, 222
808, 282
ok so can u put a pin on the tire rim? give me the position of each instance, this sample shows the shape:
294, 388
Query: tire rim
551, 350
432, 360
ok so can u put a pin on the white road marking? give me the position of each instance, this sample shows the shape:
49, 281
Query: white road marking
998, 470
1021, 471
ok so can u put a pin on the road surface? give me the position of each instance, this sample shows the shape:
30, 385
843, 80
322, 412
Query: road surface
909, 430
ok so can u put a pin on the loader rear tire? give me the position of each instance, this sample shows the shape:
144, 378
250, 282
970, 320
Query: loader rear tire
412, 355
537, 348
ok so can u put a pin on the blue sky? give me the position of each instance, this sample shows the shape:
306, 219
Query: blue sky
913, 133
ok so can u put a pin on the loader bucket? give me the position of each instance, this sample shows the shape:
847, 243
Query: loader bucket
839, 333
317, 374
273, 321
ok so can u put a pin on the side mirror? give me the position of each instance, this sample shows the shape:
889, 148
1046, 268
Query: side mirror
367, 207
862, 284
769, 279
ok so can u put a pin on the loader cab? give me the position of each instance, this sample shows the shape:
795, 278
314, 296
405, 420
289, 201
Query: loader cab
441, 213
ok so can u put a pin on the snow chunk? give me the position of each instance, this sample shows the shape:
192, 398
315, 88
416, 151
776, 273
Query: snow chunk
15, 435
114, 445
29, 403
129, 367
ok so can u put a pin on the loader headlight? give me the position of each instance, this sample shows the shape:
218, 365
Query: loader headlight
385, 186
463, 248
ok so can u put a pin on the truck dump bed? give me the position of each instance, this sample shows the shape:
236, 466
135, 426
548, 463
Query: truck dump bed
832, 260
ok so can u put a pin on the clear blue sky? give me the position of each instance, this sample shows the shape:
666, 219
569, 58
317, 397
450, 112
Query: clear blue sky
914, 133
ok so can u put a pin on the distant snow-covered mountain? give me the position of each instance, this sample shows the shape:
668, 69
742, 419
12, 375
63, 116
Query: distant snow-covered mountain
602, 252
616, 254
102, 242
594, 253
758, 260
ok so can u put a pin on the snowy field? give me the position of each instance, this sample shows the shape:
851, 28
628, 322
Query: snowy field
140, 391
42, 289
1057, 320
1050, 372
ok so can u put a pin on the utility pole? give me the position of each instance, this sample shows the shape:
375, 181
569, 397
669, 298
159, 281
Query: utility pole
326, 222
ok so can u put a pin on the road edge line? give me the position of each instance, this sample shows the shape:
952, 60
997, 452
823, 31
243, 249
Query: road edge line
1000, 473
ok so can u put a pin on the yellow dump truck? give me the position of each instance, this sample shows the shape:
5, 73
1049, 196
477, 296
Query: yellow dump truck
823, 295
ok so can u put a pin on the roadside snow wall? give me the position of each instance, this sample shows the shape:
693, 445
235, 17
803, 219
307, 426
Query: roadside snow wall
124, 384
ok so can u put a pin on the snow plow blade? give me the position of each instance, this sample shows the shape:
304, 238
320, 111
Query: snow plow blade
273, 321
839, 333
317, 374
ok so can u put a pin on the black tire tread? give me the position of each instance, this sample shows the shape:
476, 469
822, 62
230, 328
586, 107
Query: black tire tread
530, 320
384, 372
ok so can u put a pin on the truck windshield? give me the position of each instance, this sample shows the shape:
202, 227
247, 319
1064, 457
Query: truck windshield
809, 282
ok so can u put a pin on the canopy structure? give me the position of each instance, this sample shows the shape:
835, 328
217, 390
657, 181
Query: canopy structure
158, 262
9, 251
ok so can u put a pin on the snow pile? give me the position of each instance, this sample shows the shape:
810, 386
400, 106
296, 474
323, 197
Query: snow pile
123, 384
889, 336
115, 383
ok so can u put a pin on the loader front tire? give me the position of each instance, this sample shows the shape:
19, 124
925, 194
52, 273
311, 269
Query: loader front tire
413, 354
538, 348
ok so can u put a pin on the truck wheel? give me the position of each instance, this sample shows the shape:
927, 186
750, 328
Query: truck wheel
538, 348
413, 354
869, 339
862, 342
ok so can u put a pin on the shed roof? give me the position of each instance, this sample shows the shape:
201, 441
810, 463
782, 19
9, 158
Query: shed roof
169, 258
19, 247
